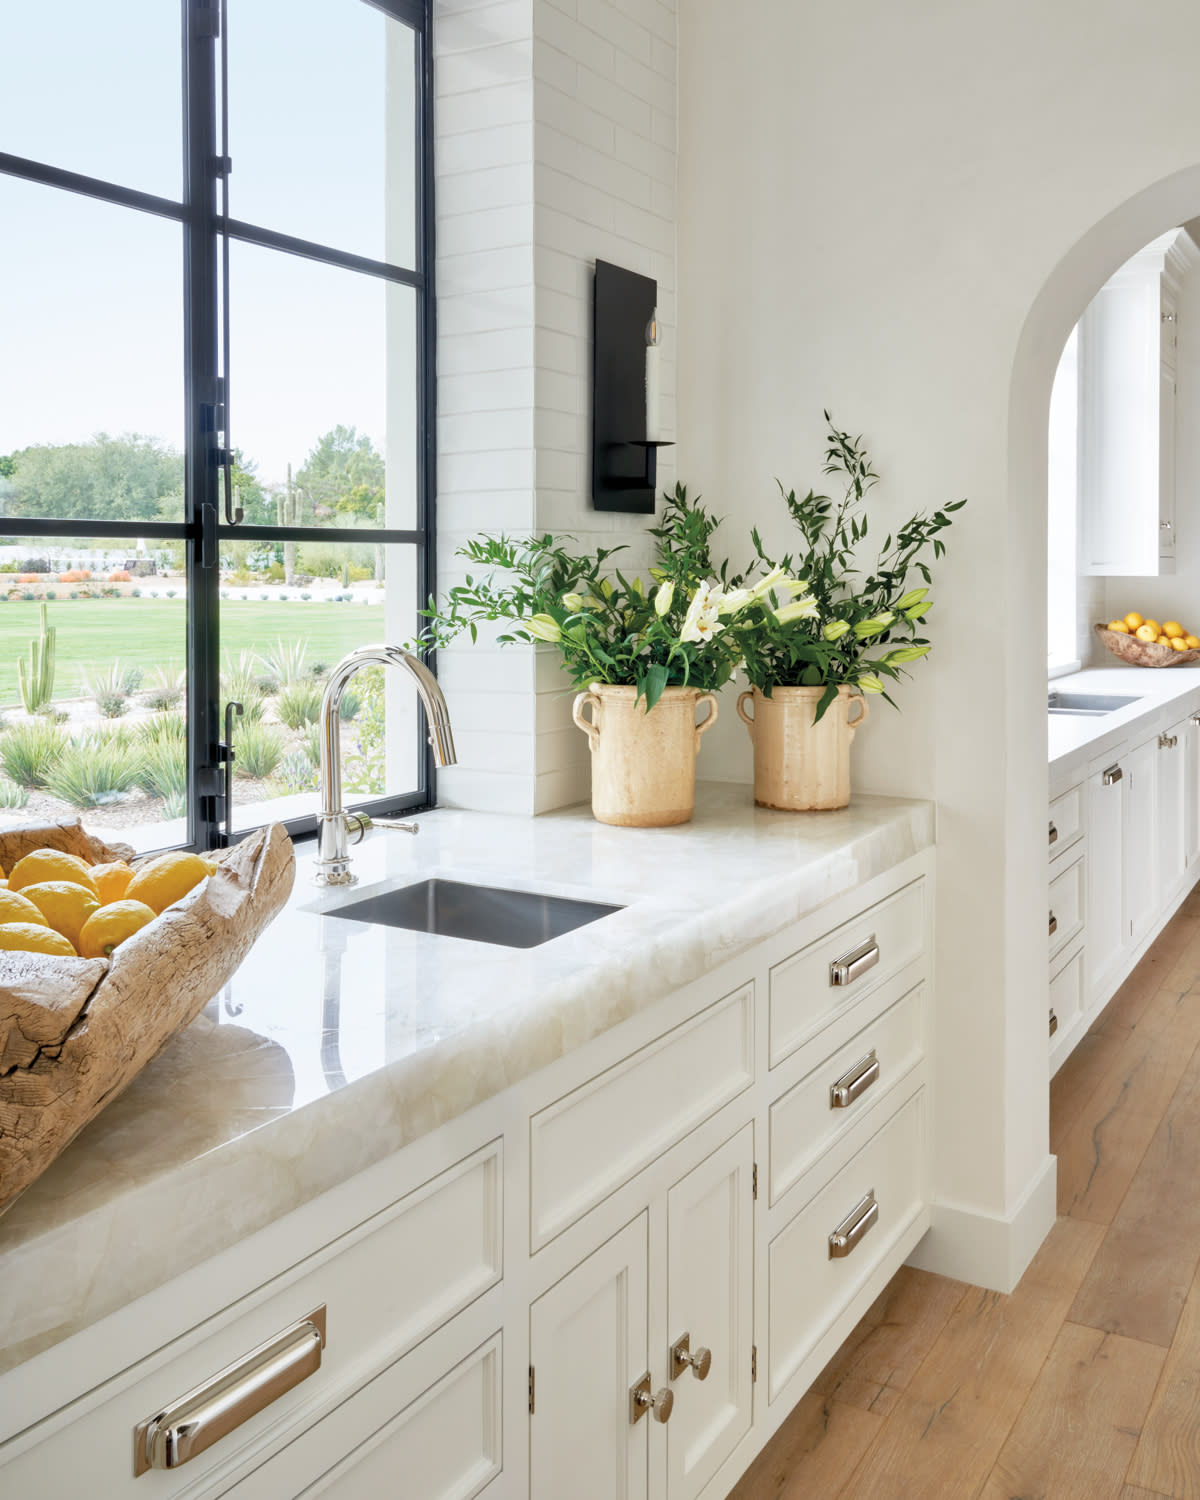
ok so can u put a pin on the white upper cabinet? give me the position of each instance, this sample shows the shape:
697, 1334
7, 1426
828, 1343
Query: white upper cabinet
1127, 357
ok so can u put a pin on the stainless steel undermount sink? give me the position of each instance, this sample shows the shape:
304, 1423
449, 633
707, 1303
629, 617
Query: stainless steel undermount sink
1087, 705
480, 913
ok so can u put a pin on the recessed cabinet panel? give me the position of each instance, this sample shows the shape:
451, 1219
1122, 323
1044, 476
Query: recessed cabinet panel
710, 1297
587, 1347
587, 1144
1140, 867
808, 1119
876, 944
1065, 918
1171, 804
1066, 1001
809, 1281
1066, 821
1105, 858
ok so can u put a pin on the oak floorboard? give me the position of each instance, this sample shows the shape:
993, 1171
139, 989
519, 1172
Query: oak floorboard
1131, 1492
1127, 1008
1100, 1153
1078, 1079
1142, 1274
1167, 1458
1077, 1431
943, 1437
812, 1454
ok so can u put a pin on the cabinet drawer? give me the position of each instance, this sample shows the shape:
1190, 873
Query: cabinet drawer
807, 1287
445, 1445
809, 1117
1066, 906
386, 1285
588, 1143
1066, 821
1066, 995
805, 992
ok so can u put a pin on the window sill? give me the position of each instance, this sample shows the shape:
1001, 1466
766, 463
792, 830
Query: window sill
1062, 669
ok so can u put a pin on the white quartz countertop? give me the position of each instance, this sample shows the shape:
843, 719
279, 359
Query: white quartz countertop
337, 1043
1164, 694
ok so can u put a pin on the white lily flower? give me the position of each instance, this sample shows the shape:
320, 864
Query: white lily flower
573, 602
733, 601
544, 628
767, 582
799, 609
702, 621
663, 598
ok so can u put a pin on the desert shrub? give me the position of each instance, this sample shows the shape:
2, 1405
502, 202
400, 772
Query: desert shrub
120, 575
351, 704
29, 751
12, 795
298, 704
258, 749
294, 774
311, 745
108, 692
162, 770
94, 769
133, 679
163, 728
285, 660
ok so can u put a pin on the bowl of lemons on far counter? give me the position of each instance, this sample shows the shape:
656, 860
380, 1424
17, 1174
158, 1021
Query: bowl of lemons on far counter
1143, 642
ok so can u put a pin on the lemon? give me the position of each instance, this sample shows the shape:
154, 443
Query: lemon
50, 864
15, 908
1193, 642
1153, 625
1173, 628
28, 937
1164, 640
1119, 626
111, 880
1133, 619
1178, 643
108, 928
65, 905
1146, 633
166, 879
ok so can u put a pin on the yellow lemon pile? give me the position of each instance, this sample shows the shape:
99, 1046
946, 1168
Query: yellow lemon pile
1170, 634
58, 903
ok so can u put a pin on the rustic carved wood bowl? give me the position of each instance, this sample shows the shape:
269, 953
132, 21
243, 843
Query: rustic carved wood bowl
1143, 653
74, 1032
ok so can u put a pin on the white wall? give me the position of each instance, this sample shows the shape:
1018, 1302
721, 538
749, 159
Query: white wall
555, 145
899, 212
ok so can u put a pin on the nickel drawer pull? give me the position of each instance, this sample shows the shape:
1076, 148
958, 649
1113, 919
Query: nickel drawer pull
848, 1235
857, 1081
1053, 924
1053, 1021
1112, 775
1053, 834
203, 1416
846, 970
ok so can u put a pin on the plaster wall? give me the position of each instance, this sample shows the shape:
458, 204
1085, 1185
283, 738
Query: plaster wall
899, 212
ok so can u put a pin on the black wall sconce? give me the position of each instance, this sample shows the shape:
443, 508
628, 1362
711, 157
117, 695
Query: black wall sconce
625, 393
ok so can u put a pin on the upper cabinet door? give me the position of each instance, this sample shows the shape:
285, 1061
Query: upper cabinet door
710, 1297
588, 1346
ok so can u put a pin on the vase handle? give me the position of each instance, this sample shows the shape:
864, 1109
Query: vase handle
705, 724
581, 701
853, 724
747, 719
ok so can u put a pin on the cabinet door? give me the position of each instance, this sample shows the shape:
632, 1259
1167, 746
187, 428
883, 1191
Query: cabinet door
1170, 813
1140, 838
1166, 465
1105, 855
587, 1347
710, 1297
1191, 792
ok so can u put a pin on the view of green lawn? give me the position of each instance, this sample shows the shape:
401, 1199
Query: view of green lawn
149, 633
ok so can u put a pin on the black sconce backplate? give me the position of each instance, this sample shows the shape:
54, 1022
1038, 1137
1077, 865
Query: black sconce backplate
623, 462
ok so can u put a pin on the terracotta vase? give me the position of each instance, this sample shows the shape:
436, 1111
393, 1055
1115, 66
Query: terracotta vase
643, 764
799, 765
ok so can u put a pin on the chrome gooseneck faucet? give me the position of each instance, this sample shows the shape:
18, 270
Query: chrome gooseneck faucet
333, 823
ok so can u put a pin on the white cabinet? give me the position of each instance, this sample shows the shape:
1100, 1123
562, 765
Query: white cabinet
1190, 733
1170, 811
588, 1346
1139, 875
1127, 414
1106, 858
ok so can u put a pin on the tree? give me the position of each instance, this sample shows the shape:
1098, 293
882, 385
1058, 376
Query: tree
128, 478
343, 478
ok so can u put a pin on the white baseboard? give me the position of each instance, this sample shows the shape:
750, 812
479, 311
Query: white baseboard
985, 1249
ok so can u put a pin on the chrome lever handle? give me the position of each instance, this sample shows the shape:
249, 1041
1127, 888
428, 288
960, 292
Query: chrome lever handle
393, 825
683, 1358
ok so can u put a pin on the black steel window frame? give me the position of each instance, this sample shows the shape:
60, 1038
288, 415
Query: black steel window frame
201, 530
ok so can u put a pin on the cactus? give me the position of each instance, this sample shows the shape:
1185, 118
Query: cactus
345, 575
37, 687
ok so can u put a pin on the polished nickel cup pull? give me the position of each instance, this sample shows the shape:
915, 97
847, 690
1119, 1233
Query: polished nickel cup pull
856, 1082
183, 1430
1053, 1021
848, 1235
1053, 924
846, 970
1112, 775
1053, 834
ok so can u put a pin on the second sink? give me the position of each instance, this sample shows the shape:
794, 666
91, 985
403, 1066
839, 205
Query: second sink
1087, 705
480, 913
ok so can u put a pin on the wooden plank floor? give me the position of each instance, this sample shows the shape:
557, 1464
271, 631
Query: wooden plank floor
1084, 1384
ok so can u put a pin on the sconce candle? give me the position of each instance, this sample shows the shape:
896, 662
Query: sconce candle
653, 407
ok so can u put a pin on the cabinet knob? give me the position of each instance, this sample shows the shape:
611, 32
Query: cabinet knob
682, 1358
641, 1401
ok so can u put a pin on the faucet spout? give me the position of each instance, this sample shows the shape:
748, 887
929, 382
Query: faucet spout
333, 825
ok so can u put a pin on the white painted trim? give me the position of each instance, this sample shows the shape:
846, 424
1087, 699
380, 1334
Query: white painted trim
1063, 669
983, 1248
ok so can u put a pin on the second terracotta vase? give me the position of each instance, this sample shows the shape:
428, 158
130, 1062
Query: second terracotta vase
801, 765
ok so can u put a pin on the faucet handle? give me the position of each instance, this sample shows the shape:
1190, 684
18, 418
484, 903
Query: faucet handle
394, 825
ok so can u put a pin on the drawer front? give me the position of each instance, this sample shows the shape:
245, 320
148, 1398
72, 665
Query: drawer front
1066, 996
807, 1287
1066, 821
822, 1106
386, 1285
588, 1143
445, 1445
805, 994
1066, 906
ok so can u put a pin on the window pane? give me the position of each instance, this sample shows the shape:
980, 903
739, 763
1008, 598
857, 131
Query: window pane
104, 739
322, 111
278, 642
96, 89
324, 399
91, 383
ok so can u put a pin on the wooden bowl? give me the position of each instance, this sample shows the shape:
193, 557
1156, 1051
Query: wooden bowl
74, 1032
1143, 653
